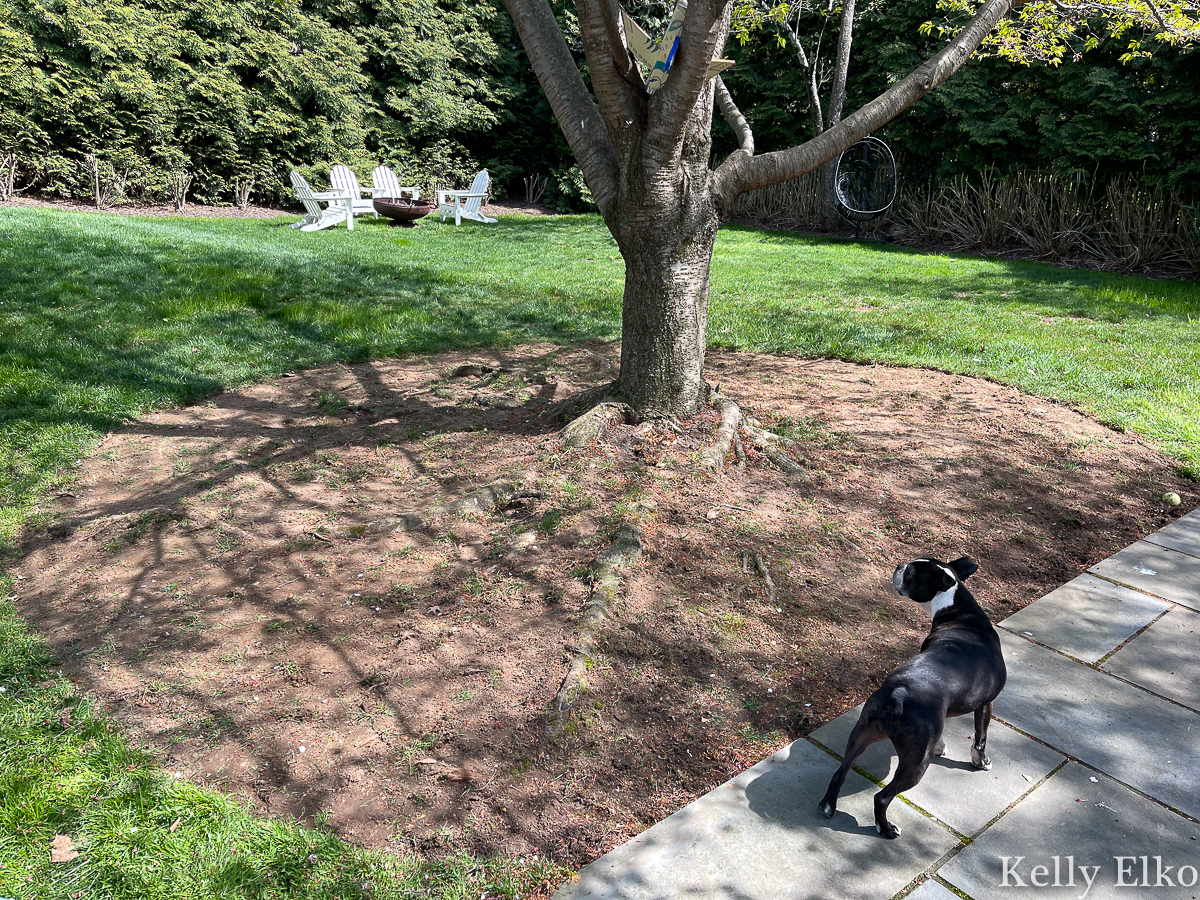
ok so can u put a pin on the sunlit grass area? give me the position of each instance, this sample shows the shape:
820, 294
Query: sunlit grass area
103, 318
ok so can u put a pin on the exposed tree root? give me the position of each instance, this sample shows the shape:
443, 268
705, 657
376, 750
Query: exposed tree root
624, 551
713, 458
727, 438
481, 499
572, 406
766, 574
602, 411
594, 423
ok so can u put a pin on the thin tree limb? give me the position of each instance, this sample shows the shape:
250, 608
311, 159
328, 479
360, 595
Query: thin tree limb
621, 104
837, 93
734, 117
814, 94
622, 58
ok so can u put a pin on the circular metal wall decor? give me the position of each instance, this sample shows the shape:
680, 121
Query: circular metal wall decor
865, 182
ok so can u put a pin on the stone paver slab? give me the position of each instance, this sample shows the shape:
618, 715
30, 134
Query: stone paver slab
953, 790
1094, 822
1165, 658
760, 836
932, 890
1086, 618
1122, 730
1183, 534
1162, 572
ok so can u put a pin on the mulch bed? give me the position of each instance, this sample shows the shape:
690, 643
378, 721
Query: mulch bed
400, 680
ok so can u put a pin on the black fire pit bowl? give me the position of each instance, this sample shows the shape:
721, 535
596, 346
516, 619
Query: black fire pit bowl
401, 210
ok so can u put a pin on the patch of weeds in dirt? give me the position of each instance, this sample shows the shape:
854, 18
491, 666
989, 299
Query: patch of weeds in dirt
135, 530
409, 751
551, 521
329, 402
811, 429
374, 679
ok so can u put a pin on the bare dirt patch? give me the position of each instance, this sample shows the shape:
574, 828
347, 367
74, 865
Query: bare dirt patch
399, 678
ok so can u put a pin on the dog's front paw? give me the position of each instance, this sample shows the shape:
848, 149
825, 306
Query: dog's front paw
888, 830
827, 809
980, 761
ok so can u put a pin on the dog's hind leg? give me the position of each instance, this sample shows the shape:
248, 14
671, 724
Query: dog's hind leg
915, 756
866, 732
979, 758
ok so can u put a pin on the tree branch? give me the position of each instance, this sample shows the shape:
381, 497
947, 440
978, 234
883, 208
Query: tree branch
573, 106
740, 173
734, 117
837, 94
621, 104
705, 27
814, 94
622, 58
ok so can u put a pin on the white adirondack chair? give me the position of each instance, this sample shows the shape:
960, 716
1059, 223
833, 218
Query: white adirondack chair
344, 179
337, 207
386, 184
465, 204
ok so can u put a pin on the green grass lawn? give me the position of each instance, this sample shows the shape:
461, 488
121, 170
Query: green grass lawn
103, 318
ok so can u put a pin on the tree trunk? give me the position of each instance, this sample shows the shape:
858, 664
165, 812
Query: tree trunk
665, 309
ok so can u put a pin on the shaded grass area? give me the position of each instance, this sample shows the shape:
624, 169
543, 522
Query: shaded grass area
142, 834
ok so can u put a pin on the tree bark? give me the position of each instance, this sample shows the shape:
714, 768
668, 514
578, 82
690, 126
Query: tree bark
664, 315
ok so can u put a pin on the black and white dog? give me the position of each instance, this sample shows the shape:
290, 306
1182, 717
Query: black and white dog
959, 670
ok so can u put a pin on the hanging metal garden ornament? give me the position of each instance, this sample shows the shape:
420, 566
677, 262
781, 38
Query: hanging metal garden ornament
658, 55
865, 182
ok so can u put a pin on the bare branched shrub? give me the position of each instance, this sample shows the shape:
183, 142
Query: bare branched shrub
241, 192
1053, 216
1137, 227
108, 183
9, 164
535, 188
179, 183
796, 203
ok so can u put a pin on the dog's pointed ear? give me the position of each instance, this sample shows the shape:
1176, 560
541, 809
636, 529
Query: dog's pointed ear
964, 567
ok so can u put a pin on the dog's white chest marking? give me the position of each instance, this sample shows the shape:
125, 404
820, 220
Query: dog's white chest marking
939, 602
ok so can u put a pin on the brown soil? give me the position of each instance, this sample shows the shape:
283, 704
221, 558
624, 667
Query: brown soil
400, 681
